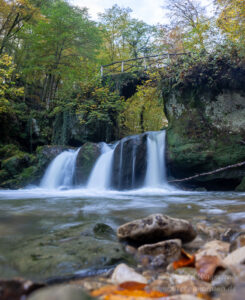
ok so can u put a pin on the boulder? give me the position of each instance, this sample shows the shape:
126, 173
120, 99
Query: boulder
128, 152
86, 159
155, 228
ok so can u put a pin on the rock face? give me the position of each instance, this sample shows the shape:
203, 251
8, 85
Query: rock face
155, 228
206, 132
129, 152
86, 159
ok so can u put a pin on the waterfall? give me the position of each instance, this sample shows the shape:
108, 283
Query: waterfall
60, 173
101, 174
134, 162
156, 169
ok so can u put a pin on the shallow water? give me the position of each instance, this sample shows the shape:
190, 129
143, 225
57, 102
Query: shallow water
35, 224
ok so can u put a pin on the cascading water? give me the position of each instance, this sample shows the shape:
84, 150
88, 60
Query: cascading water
60, 173
101, 173
134, 162
156, 169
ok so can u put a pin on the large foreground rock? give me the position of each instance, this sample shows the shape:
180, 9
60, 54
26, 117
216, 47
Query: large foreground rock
155, 228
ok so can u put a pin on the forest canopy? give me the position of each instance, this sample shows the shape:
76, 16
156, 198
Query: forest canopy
50, 58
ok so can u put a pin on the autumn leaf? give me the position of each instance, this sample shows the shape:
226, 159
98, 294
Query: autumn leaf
132, 285
127, 290
107, 289
186, 260
206, 266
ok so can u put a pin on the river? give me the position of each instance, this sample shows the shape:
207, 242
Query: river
47, 233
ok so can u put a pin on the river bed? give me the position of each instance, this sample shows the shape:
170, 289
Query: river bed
49, 233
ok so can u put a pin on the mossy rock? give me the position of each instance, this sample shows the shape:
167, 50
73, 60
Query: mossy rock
241, 186
86, 159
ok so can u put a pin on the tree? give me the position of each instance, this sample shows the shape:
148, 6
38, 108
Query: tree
59, 47
231, 19
190, 16
14, 14
125, 37
8, 88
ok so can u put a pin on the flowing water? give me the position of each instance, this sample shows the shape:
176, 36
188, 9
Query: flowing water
46, 231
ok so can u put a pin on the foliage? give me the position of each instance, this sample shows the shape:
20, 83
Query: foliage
8, 88
219, 70
189, 19
14, 15
98, 111
231, 19
143, 111
124, 36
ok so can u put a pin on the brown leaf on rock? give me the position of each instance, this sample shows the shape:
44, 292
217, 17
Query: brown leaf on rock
206, 266
186, 260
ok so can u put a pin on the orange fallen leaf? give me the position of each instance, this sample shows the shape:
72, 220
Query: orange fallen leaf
132, 285
187, 260
107, 289
206, 266
140, 293
126, 291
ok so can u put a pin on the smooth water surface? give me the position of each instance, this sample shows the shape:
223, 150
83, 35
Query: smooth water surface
39, 227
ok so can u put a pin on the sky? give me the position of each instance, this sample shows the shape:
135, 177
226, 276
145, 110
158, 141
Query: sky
149, 11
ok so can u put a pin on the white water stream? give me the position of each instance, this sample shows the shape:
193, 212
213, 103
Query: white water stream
60, 172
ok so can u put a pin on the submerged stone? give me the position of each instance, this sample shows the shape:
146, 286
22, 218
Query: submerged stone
155, 228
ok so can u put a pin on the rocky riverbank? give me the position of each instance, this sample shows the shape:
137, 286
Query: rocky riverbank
171, 259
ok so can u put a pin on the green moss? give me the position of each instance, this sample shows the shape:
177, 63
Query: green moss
241, 186
86, 159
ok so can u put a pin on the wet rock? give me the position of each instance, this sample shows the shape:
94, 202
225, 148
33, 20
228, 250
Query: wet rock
213, 248
155, 228
228, 235
102, 230
61, 292
129, 149
212, 232
193, 287
223, 280
86, 159
158, 261
241, 186
163, 285
190, 272
123, 273
194, 245
16, 289
66, 251
183, 297
164, 252
238, 242
236, 257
